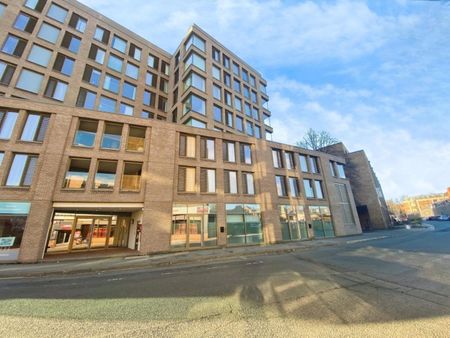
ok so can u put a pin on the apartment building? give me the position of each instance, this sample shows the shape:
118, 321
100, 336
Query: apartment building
107, 141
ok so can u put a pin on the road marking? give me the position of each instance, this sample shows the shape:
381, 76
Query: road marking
254, 263
113, 279
366, 239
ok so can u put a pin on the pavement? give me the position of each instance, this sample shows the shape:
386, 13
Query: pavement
86, 265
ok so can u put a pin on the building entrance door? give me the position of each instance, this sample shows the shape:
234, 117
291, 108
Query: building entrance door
187, 231
90, 233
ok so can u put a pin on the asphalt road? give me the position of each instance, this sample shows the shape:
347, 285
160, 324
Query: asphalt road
396, 286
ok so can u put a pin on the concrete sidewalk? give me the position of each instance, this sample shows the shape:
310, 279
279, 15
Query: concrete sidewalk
99, 265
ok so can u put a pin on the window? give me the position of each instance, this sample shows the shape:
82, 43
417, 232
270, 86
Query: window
35, 127
252, 81
132, 71
2, 154
238, 104
149, 98
216, 72
196, 41
77, 173
266, 119
71, 42
230, 182
254, 97
240, 124
289, 160
256, 114
112, 136
227, 98
165, 68
150, 79
37, 5
164, 85
340, 170
229, 151
25, 22
22, 170
281, 185
321, 221
78, 22
119, 44
246, 92
293, 222
57, 12
98, 55
111, 83
64, 64
186, 179
313, 164
264, 103
196, 60
194, 103
152, 61
107, 104
332, 169
229, 119
126, 109
237, 86
92, 75
29, 81
187, 146
257, 132
129, 91
56, 89
14, 45
344, 203
303, 163
131, 177
318, 186
135, 52
195, 123
40, 55
207, 149
249, 127
215, 54
247, 109
235, 69
246, 153
102, 35
217, 113
207, 180
248, 186
6, 72
262, 88
106, 175
7, 122
226, 61
85, 134
136, 139
244, 224
115, 63
277, 159
293, 186
309, 192
49, 33
244, 75
227, 79
162, 103
147, 115
217, 92
86, 99
195, 81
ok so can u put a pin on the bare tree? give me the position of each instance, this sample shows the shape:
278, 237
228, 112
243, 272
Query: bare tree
315, 140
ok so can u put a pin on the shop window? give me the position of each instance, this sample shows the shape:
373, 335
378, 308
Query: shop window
187, 146
136, 139
35, 127
7, 122
6, 73
102, 35
12, 226
85, 134
49, 33
293, 186
131, 178
186, 179
277, 159
248, 185
207, 149
77, 173
29, 81
229, 151
25, 22
37, 5
22, 170
57, 12
107, 104
112, 136
244, 224
281, 185
98, 54
230, 182
64, 64
106, 175
246, 153
293, 222
86, 99
56, 89
14, 45
71, 42
207, 180
77, 22
321, 221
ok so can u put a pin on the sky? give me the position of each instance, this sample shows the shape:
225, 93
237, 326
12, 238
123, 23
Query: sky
374, 74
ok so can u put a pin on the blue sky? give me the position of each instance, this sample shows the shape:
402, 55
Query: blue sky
375, 74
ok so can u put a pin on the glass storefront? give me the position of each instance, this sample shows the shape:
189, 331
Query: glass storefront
293, 223
321, 221
244, 224
13, 217
72, 231
193, 226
